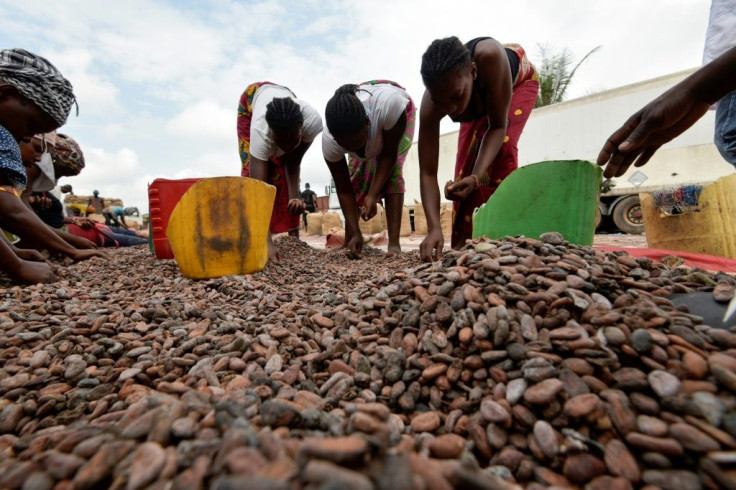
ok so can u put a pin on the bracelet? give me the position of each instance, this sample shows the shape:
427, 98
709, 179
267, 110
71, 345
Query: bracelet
475, 179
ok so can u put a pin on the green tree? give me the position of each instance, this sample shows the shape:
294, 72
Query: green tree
556, 71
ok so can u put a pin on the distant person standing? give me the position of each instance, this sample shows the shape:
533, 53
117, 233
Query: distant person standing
115, 216
95, 202
310, 204
719, 38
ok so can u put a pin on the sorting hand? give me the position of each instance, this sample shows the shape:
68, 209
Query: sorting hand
431, 247
458, 191
369, 209
354, 246
296, 206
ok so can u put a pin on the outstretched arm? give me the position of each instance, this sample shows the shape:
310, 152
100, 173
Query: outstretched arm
259, 171
293, 171
667, 116
429, 148
27, 271
17, 218
346, 195
384, 165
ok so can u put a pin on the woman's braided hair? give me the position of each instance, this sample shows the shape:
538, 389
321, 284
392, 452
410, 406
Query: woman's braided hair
442, 56
345, 113
283, 113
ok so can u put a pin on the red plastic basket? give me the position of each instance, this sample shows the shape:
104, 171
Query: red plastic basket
163, 195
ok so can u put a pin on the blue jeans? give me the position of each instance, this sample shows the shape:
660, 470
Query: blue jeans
725, 136
125, 238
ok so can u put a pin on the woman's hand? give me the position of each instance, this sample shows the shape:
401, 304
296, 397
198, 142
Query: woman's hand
370, 208
30, 254
296, 206
79, 242
85, 223
39, 202
354, 246
458, 191
273, 252
34, 272
431, 247
78, 255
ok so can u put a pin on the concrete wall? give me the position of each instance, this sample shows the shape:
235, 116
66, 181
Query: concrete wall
577, 130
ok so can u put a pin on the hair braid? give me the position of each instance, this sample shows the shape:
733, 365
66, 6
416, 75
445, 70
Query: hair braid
345, 113
283, 113
442, 56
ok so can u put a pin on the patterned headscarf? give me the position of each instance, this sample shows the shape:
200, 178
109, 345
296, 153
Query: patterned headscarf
38, 80
11, 163
67, 153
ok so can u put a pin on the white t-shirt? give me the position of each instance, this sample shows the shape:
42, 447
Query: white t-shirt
262, 146
383, 105
721, 33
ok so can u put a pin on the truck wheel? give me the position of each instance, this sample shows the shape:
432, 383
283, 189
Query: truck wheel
627, 215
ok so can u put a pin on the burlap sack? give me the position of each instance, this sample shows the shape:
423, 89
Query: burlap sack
314, 224
420, 219
330, 221
446, 215
374, 225
405, 222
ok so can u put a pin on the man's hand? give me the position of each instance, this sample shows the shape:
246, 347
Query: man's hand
296, 206
458, 191
370, 208
641, 136
431, 247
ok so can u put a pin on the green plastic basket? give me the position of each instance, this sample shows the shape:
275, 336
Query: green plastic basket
559, 196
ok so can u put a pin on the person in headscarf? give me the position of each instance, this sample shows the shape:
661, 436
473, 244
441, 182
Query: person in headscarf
490, 89
275, 129
34, 98
67, 157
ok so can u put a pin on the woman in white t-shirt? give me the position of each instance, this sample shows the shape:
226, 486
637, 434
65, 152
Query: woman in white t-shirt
275, 129
374, 124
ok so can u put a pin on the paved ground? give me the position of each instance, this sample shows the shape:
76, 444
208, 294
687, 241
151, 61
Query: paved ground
412, 242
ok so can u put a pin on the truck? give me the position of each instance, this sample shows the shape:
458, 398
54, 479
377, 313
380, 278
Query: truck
577, 129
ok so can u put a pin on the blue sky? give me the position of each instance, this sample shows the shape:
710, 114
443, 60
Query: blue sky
158, 81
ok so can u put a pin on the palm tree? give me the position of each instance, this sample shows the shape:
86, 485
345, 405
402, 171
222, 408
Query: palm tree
555, 73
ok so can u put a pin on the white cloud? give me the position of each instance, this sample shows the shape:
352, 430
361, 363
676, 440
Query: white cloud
96, 94
204, 120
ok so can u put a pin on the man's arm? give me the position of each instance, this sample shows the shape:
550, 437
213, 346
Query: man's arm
428, 146
669, 115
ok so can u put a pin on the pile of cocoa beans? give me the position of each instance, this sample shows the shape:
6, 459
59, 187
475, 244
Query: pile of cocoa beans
509, 364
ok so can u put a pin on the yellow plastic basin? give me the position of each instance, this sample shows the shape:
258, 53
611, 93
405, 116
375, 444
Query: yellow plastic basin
220, 226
